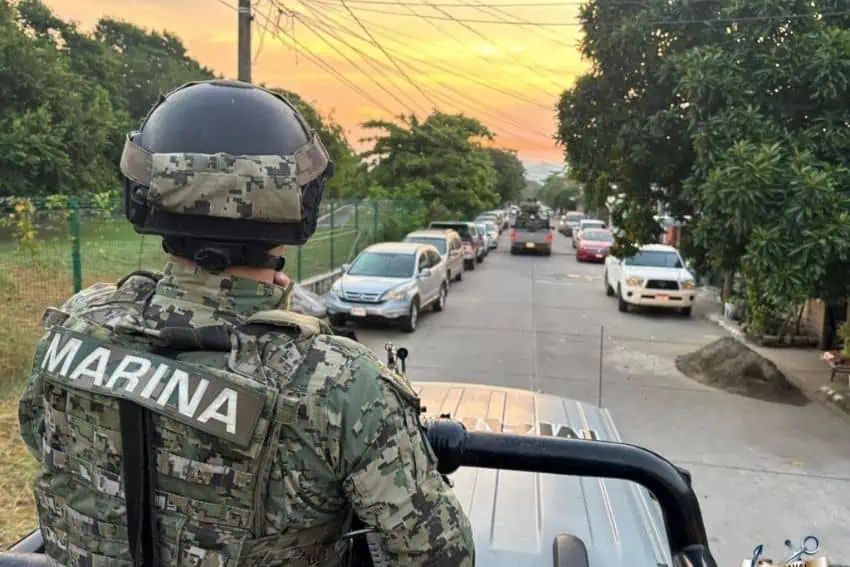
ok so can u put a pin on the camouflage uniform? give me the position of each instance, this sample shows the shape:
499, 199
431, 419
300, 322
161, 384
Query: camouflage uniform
339, 434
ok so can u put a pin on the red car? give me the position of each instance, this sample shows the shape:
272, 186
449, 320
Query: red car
594, 244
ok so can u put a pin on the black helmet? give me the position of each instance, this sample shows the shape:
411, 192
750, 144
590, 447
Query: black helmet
224, 171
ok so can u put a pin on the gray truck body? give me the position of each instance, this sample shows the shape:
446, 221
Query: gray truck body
516, 516
531, 235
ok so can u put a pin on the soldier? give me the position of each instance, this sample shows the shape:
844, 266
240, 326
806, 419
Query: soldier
187, 418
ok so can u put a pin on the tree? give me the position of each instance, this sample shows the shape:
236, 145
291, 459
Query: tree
56, 128
560, 192
510, 174
351, 178
438, 162
737, 117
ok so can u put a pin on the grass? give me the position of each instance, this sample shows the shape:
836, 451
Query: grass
40, 275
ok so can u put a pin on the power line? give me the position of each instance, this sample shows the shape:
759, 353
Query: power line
539, 33
448, 87
353, 64
318, 60
472, 77
387, 55
737, 20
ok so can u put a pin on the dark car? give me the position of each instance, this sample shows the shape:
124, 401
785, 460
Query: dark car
473, 243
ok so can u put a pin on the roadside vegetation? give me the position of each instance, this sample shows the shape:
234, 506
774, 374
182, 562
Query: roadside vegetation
732, 114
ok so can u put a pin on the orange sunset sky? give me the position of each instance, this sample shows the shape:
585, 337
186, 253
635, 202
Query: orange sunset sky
507, 75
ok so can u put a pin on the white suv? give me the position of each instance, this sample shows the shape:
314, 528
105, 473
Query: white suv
656, 276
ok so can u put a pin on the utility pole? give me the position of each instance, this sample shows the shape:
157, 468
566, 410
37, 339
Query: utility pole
245, 40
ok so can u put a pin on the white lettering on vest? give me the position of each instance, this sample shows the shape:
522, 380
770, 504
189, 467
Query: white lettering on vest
65, 356
130, 376
185, 406
225, 397
155, 380
100, 357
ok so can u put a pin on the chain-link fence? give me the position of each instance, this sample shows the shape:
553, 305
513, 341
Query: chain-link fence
48, 251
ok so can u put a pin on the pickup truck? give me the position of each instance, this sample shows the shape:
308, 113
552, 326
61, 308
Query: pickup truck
531, 235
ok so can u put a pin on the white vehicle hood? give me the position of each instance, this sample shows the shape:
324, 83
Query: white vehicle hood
648, 273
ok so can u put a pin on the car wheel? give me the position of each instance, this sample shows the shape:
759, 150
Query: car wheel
440, 304
622, 306
337, 320
686, 311
470, 265
459, 277
513, 251
609, 291
408, 324
480, 259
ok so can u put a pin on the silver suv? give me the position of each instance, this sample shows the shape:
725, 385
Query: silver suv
391, 281
448, 243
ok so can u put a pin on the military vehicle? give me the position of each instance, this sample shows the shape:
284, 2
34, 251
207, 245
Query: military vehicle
545, 481
531, 229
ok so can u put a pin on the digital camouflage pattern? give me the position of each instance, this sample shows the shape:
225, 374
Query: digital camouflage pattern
253, 187
262, 188
339, 435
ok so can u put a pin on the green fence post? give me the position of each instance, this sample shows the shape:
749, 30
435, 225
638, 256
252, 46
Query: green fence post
300, 263
333, 206
357, 216
76, 257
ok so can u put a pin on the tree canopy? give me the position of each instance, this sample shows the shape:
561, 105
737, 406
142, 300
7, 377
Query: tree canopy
70, 97
510, 174
438, 162
733, 113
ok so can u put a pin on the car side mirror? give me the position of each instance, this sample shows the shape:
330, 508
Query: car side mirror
425, 273
345, 268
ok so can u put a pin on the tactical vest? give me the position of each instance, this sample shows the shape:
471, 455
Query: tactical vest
214, 418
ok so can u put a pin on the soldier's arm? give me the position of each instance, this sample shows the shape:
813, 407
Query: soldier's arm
30, 406
392, 479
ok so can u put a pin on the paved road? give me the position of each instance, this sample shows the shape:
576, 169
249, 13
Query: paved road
764, 472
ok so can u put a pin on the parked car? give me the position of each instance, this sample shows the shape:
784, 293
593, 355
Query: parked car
584, 224
655, 276
391, 281
489, 217
492, 234
448, 243
473, 243
485, 238
593, 245
569, 222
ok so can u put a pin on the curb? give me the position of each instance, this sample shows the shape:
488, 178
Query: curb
827, 396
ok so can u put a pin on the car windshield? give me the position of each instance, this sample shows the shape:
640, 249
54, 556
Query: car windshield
655, 259
438, 243
462, 229
384, 265
592, 224
598, 236
574, 216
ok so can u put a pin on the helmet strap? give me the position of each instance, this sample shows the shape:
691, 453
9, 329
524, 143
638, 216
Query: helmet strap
217, 256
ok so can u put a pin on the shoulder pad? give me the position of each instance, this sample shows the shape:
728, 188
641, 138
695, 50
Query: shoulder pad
305, 325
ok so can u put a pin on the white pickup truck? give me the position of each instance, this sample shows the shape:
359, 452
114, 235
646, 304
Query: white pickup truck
656, 276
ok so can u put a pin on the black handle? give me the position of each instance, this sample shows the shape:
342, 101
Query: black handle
455, 447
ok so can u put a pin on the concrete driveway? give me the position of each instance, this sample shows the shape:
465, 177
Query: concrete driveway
764, 472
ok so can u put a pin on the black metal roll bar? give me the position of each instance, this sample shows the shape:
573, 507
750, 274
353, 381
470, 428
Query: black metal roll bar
456, 447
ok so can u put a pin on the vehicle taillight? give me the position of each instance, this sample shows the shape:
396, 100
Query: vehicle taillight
513, 234
549, 236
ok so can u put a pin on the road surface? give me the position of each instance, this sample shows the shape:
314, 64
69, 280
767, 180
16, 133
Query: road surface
764, 472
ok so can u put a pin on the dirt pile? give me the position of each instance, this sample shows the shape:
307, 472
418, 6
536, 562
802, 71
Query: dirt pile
730, 365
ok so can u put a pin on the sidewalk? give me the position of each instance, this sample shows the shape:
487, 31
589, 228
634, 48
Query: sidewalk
804, 367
